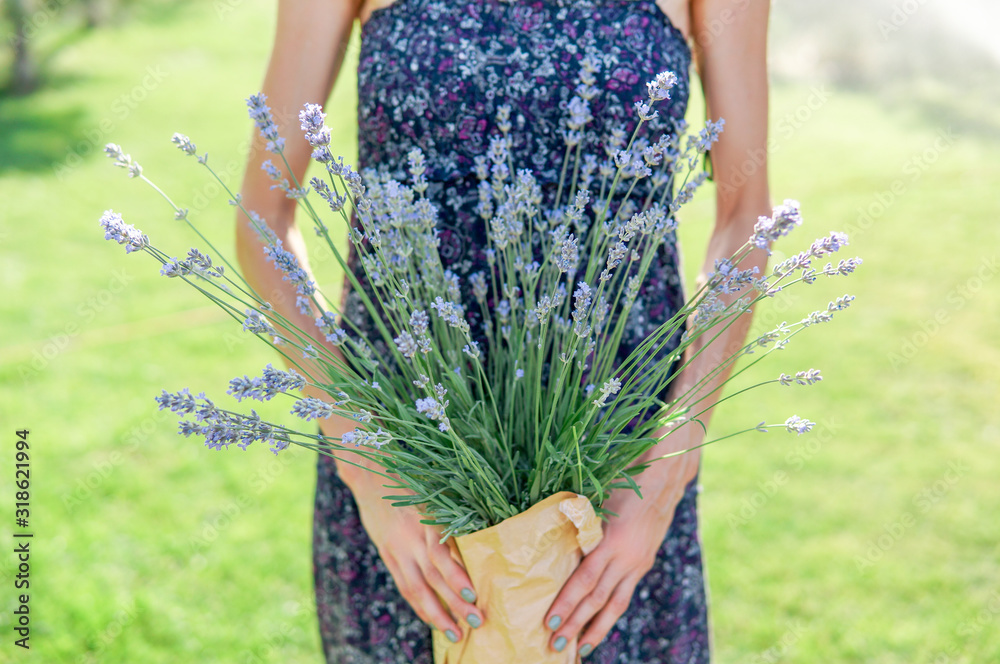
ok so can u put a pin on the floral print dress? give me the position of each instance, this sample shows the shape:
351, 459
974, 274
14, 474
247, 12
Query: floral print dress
432, 74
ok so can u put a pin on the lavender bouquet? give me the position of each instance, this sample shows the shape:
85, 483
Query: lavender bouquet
478, 425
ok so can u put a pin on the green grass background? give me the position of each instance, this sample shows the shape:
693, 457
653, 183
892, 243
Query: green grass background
874, 539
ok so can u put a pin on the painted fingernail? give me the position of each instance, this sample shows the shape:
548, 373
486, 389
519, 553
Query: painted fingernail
585, 649
451, 636
473, 620
559, 644
468, 595
554, 622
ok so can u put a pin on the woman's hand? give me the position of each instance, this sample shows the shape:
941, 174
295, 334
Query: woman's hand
600, 590
428, 577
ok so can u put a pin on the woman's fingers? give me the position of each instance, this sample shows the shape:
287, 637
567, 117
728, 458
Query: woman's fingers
452, 582
593, 599
445, 588
606, 618
581, 584
416, 590
577, 617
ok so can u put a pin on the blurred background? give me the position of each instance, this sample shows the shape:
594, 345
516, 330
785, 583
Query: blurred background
873, 539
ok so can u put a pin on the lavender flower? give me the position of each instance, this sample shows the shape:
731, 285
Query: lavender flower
615, 256
796, 424
503, 119
581, 306
289, 265
260, 113
116, 229
264, 388
184, 144
579, 113
567, 254
785, 217
644, 112
808, 377
840, 303
312, 119
419, 322
817, 317
844, 267
360, 437
248, 388
257, 324
479, 288
220, 428
434, 410
310, 408
283, 381
180, 402
175, 268
659, 88
828, 245
707, 136
199, 261
611, 386
274, 173
123, 160
452, 314
406, 345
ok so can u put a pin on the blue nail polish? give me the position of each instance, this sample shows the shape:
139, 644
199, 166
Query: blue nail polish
585, 649
473, 620
559, 644
468, 595
451, 636
554, 622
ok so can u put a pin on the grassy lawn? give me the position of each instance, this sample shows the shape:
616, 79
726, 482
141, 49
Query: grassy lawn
869, 540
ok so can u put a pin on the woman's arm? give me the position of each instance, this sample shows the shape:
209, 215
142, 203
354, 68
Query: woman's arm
732, 62
309, 46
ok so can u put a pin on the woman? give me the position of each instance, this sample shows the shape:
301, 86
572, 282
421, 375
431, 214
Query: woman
431, 75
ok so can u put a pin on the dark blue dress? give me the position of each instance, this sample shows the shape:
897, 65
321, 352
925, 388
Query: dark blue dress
432, 74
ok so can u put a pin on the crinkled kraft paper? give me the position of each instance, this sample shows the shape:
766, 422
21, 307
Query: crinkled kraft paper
518, 567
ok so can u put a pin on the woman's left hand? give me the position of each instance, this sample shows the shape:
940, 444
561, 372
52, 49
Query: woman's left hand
600, 590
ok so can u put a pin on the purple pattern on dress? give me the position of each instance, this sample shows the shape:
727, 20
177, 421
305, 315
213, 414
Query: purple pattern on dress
431, 75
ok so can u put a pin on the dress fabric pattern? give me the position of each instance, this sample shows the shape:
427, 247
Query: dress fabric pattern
432, 74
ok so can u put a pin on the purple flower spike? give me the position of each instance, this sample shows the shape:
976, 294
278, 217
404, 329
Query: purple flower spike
116, 229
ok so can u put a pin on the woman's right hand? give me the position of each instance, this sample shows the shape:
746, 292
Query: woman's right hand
434, 583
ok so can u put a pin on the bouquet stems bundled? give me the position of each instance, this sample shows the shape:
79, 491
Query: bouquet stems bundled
477, 425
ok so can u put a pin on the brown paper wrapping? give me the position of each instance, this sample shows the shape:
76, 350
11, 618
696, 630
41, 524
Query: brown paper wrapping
517, 568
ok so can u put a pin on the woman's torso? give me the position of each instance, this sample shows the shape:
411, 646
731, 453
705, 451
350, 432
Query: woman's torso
434, 73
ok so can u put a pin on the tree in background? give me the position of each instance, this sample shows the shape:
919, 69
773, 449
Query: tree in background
24, 70
26, 19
